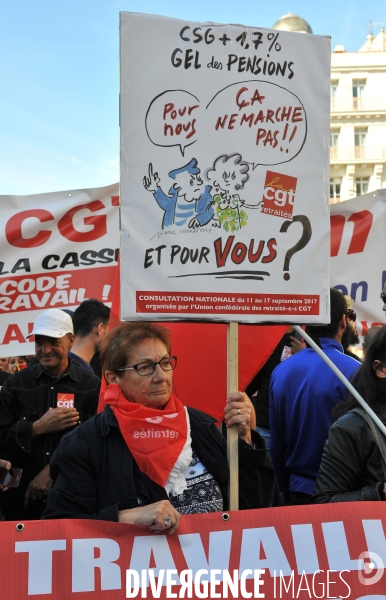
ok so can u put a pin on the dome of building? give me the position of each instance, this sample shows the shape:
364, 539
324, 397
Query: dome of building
290, 22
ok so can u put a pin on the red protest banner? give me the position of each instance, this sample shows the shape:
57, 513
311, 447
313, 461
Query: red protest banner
200, 378
325, 551
57, 250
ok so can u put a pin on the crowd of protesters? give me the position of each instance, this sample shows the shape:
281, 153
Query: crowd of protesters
75, 463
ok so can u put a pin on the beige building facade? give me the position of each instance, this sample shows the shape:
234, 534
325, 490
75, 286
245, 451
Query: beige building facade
358, 119
358, 114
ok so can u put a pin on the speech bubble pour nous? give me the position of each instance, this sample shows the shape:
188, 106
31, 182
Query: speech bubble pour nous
171, 119
262, 120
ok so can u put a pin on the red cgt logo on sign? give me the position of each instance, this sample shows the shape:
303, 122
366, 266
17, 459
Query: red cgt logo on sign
279, 195
65, 400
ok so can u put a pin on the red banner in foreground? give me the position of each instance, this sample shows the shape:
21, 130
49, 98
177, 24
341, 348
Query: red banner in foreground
326, 551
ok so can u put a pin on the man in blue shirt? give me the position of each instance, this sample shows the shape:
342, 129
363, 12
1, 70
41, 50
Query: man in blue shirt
303, 392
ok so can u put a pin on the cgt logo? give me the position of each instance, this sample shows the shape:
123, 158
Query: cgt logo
279, 195
65, 400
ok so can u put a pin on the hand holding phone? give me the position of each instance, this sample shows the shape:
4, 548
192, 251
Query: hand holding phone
9, 477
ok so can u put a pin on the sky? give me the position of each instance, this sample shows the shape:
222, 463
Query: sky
59, 67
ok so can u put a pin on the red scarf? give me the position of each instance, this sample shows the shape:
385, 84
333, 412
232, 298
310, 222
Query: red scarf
154, 437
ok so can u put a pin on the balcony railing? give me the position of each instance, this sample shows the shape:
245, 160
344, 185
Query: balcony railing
364, 104
355, 152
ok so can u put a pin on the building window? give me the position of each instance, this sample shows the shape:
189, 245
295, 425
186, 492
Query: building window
334, 137
335, 190
360, 142
334, 89
362, 185
358, 92
334, 143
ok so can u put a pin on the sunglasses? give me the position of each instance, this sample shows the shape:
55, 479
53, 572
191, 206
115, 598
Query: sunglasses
351, 315
383, 297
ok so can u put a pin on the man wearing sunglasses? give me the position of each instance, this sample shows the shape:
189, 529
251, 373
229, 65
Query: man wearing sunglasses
350, 336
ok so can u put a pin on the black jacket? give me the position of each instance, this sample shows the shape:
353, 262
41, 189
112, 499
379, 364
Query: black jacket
3, 377
95, 474
351, 466
24, 398
260, 383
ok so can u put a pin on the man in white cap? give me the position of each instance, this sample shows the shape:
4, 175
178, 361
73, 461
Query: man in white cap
38, 405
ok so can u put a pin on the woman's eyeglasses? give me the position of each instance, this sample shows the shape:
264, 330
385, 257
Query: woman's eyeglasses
147, 367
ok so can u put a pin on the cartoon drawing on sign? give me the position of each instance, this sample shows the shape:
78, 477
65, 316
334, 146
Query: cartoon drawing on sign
229, 174
189, 200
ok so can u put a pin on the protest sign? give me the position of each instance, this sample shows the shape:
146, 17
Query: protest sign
202, 358
358, 249
57, 250
326, 551
224, 172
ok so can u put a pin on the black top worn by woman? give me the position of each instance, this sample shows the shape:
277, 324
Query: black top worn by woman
95, 474
351, 466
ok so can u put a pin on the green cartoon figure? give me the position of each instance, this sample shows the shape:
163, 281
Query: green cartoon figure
229, 213
229, 174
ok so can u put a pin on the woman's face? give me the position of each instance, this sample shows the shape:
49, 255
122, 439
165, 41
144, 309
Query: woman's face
153, 390
15, 361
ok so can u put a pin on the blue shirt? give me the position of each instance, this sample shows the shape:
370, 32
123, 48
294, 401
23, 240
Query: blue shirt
80, 361
303, 392
178, 214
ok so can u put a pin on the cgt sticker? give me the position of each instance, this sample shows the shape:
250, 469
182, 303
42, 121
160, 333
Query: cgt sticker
65, 400
279, 195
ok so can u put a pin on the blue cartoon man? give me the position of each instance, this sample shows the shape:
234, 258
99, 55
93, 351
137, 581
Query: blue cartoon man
188, 200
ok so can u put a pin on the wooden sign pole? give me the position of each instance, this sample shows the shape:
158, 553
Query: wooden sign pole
233, 437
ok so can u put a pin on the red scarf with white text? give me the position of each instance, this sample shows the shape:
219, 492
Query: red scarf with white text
154, 437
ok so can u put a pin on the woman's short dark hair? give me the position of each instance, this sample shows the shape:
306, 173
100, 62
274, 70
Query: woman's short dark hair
365, 380
118, 343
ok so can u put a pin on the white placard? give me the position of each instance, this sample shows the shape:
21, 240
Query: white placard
56, 250
224, 172
358, 250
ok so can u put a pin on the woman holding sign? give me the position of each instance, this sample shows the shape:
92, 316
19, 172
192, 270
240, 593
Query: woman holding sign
147, 459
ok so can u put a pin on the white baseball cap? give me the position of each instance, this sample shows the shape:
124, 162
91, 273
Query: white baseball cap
53, 323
